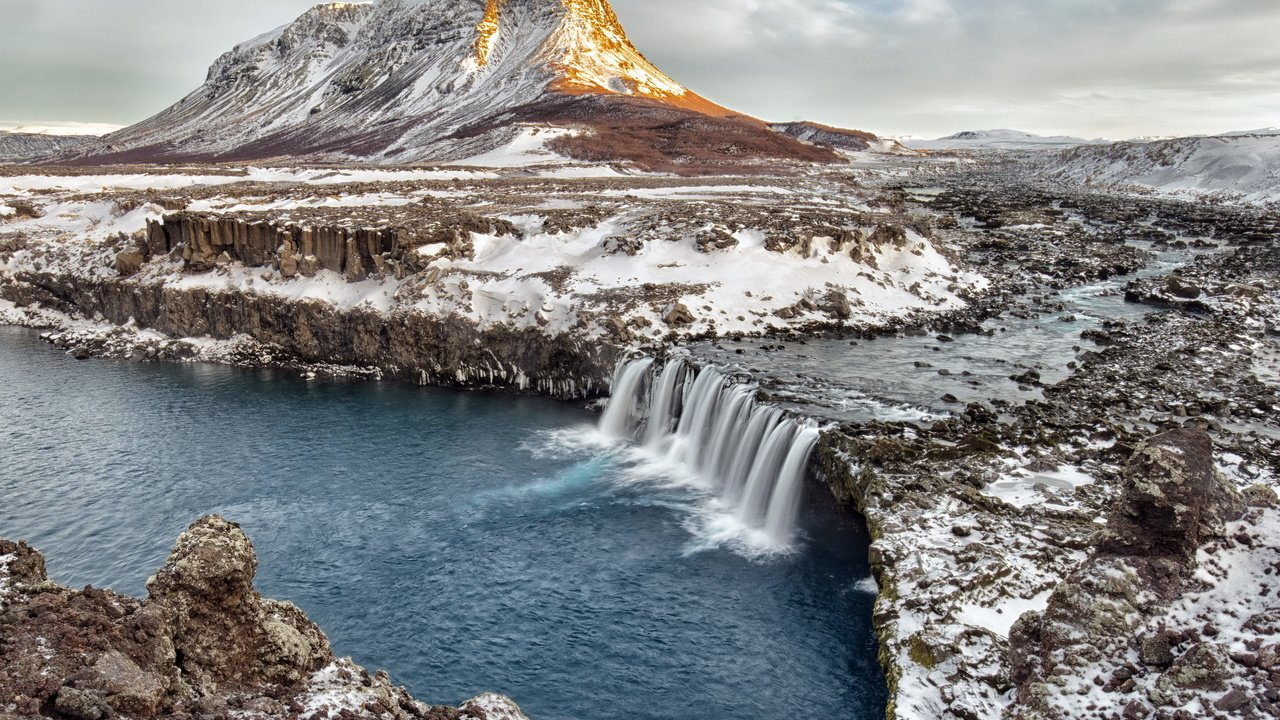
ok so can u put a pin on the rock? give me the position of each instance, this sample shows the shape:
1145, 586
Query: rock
677, 314
492, 707
1203, 668
223, 259
1155, 651
130, 260
1030, 377
836, 304
1173, 498
25, 209
204, 644
1234, 700
714, 239
308, 265
222, 626
81, 705
129, 689
1261, 496
1181, 287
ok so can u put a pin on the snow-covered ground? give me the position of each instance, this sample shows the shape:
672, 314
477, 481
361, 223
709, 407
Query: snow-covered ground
1236, 168
572, 253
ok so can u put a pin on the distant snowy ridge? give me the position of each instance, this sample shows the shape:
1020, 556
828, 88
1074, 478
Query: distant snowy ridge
1237, 167
998, 140
412, 81
26, 147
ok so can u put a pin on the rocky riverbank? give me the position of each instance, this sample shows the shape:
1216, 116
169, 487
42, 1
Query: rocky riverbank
203, 644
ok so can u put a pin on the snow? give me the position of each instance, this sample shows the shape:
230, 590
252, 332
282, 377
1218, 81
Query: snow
334, 689
4, 573
1001, 617
60, 129
528, 148
1244, 168
22, 185
1021, 487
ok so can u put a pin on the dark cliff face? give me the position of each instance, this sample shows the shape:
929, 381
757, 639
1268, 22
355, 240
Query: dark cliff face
204, 643
417, 348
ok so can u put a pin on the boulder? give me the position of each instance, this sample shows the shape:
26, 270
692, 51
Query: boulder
1173, 499
677, 314
836, 304
1181, 287
130, 261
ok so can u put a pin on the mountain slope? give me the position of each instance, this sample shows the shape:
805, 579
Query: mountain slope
403, 81
1244, 167
18, 147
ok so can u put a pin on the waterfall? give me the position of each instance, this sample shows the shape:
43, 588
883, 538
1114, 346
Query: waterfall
625, 408
712, 424
662, 411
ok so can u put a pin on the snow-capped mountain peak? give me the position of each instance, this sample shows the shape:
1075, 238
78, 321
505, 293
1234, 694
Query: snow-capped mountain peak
412, 80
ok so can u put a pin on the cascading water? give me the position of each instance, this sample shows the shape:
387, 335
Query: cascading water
711, 424
625, 408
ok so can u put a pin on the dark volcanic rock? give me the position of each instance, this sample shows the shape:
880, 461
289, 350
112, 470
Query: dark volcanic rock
1173, 499
203, 643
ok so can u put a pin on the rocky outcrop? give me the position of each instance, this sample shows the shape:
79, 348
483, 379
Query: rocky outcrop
204, 643
356, 252
406, 345
1095, 637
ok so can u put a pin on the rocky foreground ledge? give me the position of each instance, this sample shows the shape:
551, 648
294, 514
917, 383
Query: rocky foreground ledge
203, 644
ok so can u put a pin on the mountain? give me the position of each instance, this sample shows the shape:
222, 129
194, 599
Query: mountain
1244, 167
17, 147
1259, 131
839, 138
998, 140
409, 81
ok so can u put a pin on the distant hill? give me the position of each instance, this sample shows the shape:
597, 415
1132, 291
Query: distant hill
28, 147
998, 140
1239, 166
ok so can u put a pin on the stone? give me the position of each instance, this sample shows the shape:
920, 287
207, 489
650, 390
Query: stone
1261, 496
130, 261
1181, 287
836, 304
129, 689
308, 265
677, 314
222, 626
1173, 498
80, 705
1155, 651
1234, 700
1203, 668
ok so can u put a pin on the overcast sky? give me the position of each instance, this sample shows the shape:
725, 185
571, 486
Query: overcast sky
1113, 68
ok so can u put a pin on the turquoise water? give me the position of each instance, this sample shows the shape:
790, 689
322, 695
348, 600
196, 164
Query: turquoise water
466, 542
